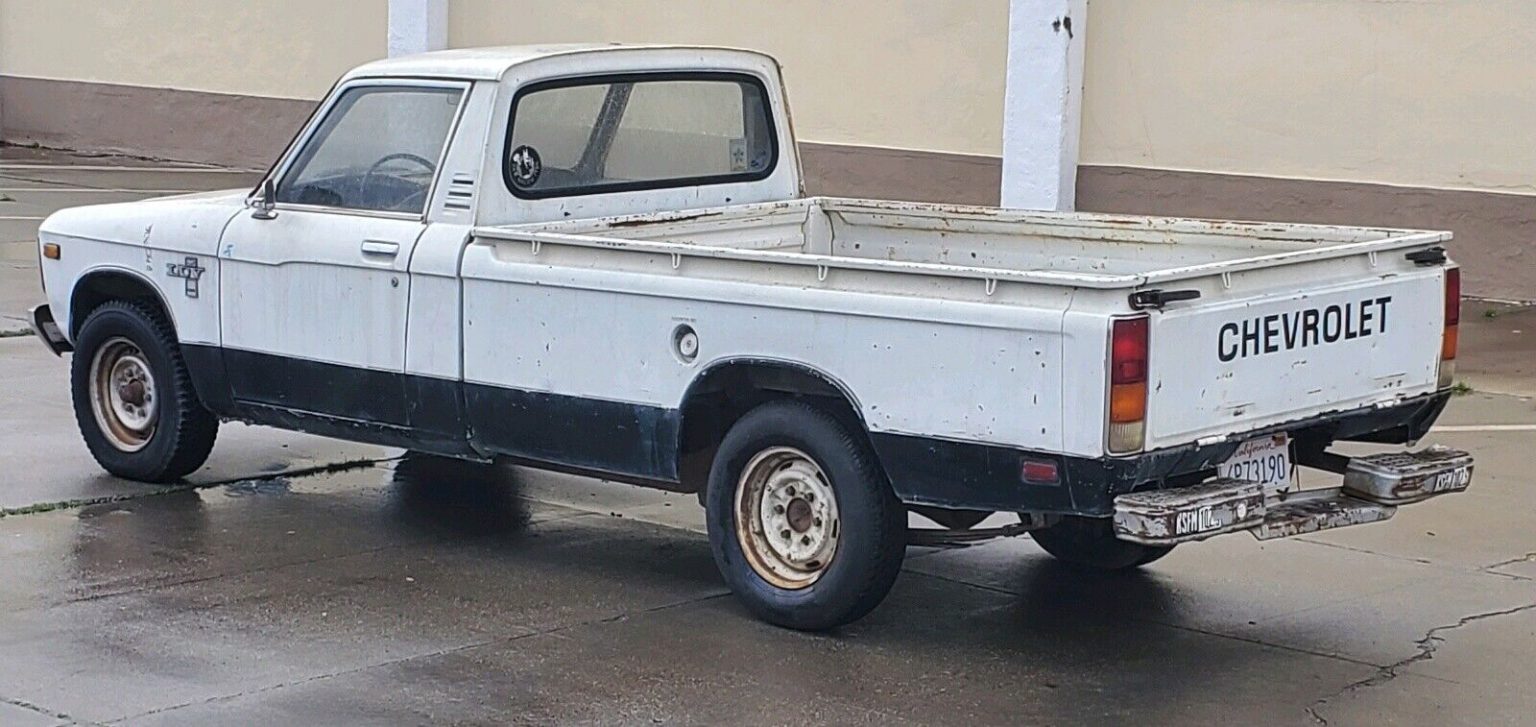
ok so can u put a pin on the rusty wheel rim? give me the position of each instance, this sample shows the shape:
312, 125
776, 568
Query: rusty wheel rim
786, 517
123, 396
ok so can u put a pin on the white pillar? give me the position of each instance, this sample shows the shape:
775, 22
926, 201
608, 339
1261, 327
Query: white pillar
1043, 103
417, 26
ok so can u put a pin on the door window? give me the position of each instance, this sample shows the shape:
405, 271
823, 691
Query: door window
621, 133
377, 149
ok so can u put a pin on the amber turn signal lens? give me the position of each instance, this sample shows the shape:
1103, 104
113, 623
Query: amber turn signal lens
51, 250
1127, 403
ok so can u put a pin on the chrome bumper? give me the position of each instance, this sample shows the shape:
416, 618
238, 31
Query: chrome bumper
1374, 486
48, 331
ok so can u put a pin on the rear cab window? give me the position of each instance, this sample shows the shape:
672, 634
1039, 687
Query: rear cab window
631, 132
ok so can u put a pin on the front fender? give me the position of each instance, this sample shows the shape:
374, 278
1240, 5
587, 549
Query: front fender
168, 245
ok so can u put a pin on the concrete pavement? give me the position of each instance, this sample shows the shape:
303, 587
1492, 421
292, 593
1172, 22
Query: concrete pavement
416, 590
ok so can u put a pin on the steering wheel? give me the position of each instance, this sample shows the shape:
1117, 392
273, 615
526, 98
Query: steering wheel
366, 182
400, 156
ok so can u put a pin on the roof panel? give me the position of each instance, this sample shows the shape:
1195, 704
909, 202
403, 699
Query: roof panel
489, 63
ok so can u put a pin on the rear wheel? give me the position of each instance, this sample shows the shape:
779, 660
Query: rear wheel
804, 526
133, 396
1091, 543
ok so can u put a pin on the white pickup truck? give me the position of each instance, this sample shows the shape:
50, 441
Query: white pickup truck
599, 259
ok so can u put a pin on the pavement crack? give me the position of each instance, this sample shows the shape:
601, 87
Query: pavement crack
76, 503
30, 707
1512, 561
1426, 648
1486, 570
1352, 549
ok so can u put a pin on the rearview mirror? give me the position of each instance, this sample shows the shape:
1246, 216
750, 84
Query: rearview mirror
266, 204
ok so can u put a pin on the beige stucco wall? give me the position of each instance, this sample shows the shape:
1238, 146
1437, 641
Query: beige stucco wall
913, 74
1436, 93
282, 48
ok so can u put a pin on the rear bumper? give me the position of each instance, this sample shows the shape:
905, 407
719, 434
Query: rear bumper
1374, 487
1097, 482
958, 475
48, 331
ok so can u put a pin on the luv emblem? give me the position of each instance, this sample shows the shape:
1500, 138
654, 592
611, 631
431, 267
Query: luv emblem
188, 270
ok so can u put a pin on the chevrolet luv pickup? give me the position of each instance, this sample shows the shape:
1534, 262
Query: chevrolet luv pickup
599, 259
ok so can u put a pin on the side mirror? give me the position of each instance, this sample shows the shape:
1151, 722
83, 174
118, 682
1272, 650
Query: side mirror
266, 206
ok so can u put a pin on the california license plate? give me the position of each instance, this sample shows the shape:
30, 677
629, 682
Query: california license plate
1265, 460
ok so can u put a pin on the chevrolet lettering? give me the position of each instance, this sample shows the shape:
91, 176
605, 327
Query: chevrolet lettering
1297, 329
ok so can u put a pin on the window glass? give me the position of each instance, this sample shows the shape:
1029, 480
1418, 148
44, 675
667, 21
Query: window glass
632, 133
377, 149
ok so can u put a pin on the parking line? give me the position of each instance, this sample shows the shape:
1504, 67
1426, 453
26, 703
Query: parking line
27, 218
106, 168
1485, 428
88, 190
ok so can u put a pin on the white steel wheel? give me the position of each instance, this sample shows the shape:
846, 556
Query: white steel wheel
786, 517
123, 395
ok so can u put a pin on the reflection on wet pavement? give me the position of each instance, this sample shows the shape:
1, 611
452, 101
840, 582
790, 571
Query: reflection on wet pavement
454, 498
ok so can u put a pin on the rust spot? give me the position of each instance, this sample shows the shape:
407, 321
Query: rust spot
641, 221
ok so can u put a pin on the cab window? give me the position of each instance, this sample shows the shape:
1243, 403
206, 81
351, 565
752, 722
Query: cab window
377, 150
642, 131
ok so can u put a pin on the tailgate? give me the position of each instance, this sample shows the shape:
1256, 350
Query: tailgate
1232, 363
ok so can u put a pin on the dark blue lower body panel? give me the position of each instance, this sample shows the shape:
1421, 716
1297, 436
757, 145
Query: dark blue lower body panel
642, 444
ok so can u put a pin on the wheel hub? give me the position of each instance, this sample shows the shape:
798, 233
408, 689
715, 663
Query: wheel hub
799, 515
132, 392
787, 521
123, 396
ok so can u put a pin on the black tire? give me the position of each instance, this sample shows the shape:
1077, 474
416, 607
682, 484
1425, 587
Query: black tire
1091, 543
183, 429
870, 525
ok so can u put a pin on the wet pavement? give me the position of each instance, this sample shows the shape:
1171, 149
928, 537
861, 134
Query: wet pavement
403, 589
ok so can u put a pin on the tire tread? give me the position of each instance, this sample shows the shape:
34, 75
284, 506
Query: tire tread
869, 583
193, 427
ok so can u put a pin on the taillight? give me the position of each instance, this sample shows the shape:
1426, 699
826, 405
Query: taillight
1452, 323
1128, 384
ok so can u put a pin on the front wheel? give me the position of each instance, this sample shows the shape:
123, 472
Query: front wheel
803, 524
133, 396
1091, 543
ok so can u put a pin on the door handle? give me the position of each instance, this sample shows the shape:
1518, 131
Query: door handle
381, 247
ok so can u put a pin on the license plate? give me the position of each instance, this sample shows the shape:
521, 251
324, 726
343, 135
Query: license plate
1452, 480
1265, 460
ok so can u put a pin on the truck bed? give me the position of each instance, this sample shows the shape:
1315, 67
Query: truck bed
1274, 323
1078, 249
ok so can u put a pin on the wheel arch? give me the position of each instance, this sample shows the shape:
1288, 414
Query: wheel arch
102, 284
727, 389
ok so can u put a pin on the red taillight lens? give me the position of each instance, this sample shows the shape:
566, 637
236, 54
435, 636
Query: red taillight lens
1128, 351
1451, 337
1452, 310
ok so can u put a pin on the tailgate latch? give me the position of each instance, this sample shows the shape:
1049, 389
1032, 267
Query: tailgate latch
1157, 298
